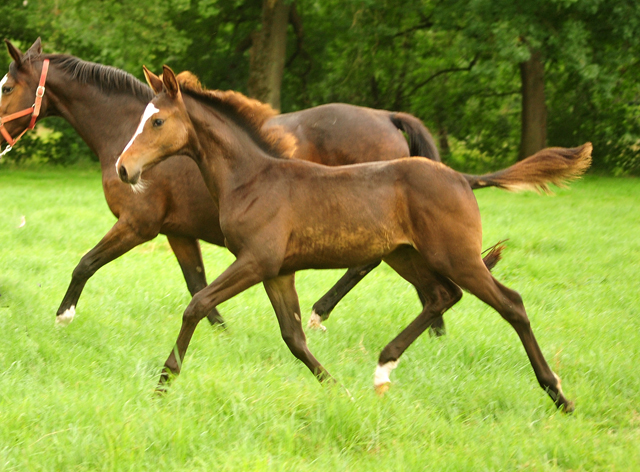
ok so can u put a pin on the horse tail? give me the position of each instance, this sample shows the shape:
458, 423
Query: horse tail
421, 142
551, 165
494, 254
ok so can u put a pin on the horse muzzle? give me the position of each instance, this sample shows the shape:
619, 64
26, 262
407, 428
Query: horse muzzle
127, 176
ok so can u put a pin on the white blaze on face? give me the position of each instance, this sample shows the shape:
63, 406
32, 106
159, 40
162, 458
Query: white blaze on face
148, 113
2, 82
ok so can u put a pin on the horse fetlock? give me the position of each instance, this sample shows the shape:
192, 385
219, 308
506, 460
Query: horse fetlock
381, 381
315, 322
66, 317
560, 400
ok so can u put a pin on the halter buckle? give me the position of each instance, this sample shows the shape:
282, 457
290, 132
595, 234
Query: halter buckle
40, 91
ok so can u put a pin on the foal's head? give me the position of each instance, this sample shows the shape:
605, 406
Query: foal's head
18, 86
164, 130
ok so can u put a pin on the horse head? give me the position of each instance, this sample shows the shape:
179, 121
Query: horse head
21, 91
164, 129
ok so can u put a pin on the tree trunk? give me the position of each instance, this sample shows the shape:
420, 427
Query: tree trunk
268, 53
443, 135
534, 108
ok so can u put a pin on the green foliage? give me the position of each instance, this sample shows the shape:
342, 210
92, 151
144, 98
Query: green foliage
453, 64
53, 142
81, 398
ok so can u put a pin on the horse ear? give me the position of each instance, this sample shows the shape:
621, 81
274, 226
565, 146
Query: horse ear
170, 82
35, 50
153, 80
14, 52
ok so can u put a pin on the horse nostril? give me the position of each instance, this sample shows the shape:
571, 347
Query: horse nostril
122, 172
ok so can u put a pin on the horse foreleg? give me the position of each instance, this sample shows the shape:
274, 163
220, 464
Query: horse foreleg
283, 296
187, 251
120, 239
323, 307
239, 276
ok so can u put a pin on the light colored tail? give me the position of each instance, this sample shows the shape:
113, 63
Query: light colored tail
550, 166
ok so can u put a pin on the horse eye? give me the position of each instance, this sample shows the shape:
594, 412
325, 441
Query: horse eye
158, 122
6, 90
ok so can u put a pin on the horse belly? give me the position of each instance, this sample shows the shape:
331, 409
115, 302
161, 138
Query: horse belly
346, 246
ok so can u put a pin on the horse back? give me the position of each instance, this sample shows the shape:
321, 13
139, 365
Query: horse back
340, 134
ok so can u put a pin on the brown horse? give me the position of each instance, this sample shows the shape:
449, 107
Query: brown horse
417, 215
104, 105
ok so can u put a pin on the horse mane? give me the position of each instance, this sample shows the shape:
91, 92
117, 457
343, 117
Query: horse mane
108, 79
248, 113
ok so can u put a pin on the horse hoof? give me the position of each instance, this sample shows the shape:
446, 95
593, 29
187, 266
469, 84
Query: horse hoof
65, 318
315, 322
568, 407
382, 388
437, 332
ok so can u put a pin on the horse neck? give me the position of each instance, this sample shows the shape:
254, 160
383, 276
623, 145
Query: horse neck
227, 156
104, 121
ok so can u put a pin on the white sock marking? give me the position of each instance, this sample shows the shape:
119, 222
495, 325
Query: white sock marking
559, 385
67, 317
315, 322
381, 376
148, 113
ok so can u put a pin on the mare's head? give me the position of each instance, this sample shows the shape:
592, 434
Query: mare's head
18, 87
164, 130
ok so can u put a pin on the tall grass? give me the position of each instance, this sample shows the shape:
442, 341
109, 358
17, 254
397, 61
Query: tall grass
81, 398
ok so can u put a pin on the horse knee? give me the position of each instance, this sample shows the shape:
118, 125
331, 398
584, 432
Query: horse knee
196, 310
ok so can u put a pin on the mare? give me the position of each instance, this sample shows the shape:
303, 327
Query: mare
104, 105
417, 215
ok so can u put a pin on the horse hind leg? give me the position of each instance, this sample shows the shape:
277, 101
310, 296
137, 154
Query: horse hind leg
438, 295
478, 281
323, 307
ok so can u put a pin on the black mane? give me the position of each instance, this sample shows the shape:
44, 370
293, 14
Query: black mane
108, 79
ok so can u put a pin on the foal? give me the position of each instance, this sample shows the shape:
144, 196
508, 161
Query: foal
419, 216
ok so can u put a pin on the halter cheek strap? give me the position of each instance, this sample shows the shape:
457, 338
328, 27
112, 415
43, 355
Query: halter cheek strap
33, 110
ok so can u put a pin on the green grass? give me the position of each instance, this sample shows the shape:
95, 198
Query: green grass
81, 398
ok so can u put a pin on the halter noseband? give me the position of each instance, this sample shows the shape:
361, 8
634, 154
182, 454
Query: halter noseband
33, 110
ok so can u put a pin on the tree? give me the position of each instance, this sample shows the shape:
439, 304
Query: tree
268, 53
534, 106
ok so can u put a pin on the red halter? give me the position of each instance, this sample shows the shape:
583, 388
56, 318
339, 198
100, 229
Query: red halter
33, 110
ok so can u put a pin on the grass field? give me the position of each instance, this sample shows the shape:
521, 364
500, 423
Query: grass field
80, 398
